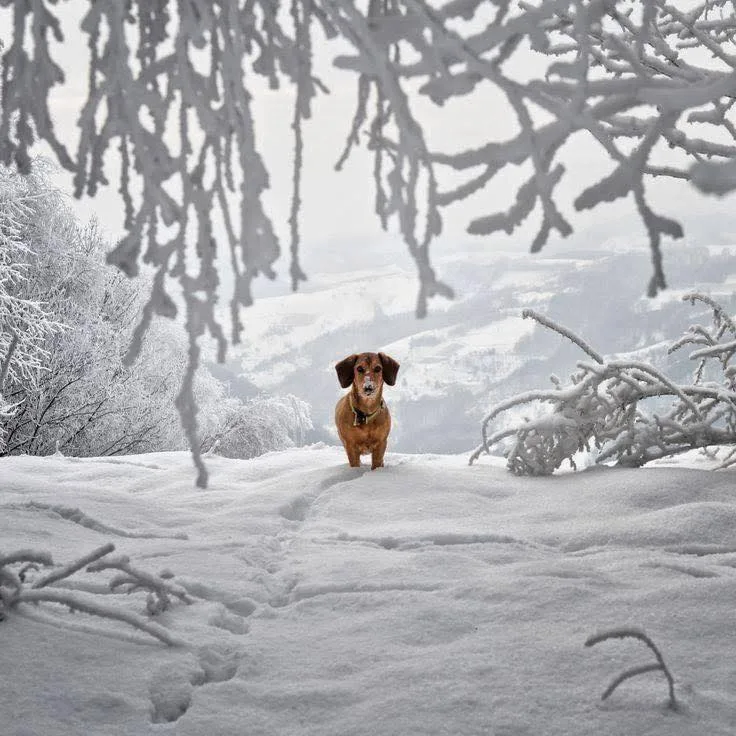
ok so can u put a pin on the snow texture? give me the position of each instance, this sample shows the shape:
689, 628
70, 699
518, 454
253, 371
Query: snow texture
426, 598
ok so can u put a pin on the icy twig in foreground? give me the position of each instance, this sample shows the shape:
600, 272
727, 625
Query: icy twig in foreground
633, 633
134, 579
87, 604
14, 590
72, 567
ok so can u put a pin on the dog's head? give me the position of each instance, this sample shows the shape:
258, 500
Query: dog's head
368, 371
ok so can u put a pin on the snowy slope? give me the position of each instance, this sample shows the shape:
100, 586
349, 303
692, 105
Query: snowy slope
471, 352
425, 598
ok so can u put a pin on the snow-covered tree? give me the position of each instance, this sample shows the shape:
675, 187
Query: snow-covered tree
624, 410
171, 89
77, 396
66, 385
245, 429
26, 323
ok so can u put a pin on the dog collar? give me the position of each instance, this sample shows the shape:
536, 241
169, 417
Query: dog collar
360, 417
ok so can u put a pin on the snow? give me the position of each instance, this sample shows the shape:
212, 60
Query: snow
424, 598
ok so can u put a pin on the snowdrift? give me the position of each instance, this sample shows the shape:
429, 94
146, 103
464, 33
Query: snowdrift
424, 598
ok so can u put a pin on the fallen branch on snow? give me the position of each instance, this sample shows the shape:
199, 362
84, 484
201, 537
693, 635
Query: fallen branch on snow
134, 579
634, 633
14, 589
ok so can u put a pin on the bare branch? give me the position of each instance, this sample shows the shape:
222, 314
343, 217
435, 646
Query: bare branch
634, 633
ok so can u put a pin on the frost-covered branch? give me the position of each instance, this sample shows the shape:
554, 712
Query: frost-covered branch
134, 579
629, 76
603, 406
15, 589
67, 570
88, 604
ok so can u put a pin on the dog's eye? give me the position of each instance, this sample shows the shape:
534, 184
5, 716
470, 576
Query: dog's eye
361, 369
377, 369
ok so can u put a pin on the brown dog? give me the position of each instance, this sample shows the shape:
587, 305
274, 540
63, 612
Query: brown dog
361, 416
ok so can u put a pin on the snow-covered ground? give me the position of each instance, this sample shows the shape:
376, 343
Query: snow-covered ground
424, 598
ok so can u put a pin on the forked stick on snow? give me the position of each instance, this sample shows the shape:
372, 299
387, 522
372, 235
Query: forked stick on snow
13, 590
635, 633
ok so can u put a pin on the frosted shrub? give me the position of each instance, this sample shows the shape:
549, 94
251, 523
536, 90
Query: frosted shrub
26, 322
259, 425
66, 319
603, 407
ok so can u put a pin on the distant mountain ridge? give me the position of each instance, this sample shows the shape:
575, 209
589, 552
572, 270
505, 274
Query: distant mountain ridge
473, 351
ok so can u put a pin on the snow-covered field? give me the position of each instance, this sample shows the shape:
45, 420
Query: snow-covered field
424, 598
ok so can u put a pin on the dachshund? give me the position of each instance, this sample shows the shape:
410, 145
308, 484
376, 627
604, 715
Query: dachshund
361, 416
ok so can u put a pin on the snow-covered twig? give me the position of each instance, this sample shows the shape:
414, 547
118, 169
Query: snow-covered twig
562, 331
635, 633
67, 570
134, 579
14, 590
87, 604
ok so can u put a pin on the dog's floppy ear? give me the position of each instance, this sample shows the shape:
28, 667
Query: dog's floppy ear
390, 368
345, 370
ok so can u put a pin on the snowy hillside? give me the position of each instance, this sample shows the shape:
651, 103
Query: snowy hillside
425, 598
471, 352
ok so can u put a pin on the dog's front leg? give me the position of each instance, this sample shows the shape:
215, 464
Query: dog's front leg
353, 456
377, 456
